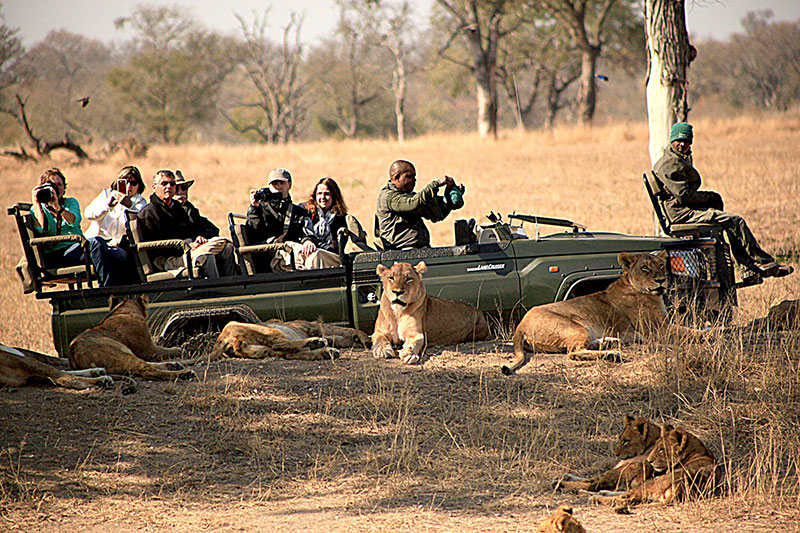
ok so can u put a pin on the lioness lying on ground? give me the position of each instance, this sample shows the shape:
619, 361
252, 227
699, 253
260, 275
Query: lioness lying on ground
410, 317
121, 343
297, 339
683, 466
562, 521
633, 446
18, 366
629, 310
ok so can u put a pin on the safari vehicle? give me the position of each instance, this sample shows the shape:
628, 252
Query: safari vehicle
499, 267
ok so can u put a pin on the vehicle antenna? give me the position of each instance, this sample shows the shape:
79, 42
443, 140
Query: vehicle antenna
527, 156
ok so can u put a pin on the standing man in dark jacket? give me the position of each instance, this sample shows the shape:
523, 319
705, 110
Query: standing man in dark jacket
687, 204
165, 218
400, 211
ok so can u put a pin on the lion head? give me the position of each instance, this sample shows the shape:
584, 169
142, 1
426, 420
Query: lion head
402, 284
638, 436
671, 448
561, 522
646, 273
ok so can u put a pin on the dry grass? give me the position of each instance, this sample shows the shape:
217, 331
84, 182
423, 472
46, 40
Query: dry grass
368, 445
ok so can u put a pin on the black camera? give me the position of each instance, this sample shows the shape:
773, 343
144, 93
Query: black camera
45, 193
263, 194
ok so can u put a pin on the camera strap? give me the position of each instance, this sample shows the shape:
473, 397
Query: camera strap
287, 219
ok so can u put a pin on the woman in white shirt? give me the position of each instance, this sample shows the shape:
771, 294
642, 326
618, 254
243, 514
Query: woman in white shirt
107, 210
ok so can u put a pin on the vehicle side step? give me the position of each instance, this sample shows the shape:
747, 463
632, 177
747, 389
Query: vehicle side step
749, 280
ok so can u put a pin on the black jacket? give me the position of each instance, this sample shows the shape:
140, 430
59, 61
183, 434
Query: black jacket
265, 222
159, 221
206, 228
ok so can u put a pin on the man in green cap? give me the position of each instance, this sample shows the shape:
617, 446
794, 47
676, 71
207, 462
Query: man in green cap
687, 204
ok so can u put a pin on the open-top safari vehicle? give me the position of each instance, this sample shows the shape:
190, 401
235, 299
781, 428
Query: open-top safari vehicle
502, 267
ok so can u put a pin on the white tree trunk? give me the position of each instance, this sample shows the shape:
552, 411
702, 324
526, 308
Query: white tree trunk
669, 54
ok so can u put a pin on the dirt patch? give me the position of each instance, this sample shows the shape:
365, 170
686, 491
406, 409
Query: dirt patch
356, 444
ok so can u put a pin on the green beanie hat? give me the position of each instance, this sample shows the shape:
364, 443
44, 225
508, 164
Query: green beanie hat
681, 131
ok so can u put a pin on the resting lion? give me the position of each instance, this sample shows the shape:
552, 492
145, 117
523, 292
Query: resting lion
630, 309
562, 521
409, 316
18, 366
121, 343
296, 339
632, 447
683, 466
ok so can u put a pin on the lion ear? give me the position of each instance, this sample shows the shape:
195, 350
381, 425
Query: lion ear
562, 521
629, 419
112, 301
641, 427
421, 267
681, 438
663, 254
380, 270
143, 299
625, 260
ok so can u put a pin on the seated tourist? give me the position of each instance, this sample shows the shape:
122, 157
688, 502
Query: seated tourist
328, 211
56, 214
107, 210
272, 217
400, 211
165, 218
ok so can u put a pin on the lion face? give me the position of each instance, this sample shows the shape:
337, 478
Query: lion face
638, 435
561, 522
647, 273
668, 451
402, 284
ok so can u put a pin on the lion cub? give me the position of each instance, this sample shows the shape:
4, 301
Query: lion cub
632, 447
410, 317
561, 522
121, 343
682, 464
630, 309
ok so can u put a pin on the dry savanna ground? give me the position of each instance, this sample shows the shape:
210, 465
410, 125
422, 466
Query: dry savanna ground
363, 445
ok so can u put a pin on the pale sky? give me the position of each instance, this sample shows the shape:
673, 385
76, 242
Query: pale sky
95, 18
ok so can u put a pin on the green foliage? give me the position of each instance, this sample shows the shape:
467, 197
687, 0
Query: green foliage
170, 84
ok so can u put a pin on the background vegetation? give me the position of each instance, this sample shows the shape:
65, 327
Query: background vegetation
176, 81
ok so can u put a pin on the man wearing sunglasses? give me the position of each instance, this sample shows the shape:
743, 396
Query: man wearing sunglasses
165, 218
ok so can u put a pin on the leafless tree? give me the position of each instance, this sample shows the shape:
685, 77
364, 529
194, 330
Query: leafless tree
480, 22
273, 70
43, 148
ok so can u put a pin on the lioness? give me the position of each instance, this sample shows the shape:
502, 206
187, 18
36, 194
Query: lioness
121, 343
561, 522
630, 309
18, 366
297, 339
632, 447
410, 317
683, 465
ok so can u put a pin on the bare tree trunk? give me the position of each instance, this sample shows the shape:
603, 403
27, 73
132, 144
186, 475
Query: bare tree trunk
587, 96
669, 54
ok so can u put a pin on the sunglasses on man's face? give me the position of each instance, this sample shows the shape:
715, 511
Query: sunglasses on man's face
167, 184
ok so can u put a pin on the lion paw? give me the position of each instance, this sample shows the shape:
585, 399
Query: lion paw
316, 343
330, 353
106, 382
128, 386
187, 375
409, 357
383, 351
174, 366
97, 372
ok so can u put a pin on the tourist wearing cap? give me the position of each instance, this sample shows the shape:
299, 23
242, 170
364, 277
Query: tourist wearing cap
272, 217
687, 204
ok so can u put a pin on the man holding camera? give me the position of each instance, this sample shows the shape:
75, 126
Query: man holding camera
55, 214
399, 217
272, 217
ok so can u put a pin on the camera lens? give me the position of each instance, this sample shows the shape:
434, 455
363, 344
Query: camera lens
44, 195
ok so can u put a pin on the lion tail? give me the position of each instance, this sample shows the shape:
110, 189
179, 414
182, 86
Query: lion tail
521, 357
